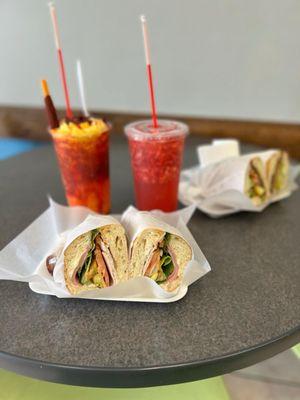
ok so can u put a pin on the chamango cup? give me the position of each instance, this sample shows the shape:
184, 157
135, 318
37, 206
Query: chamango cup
84, 165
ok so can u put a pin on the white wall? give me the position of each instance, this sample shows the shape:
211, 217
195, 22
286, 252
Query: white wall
226, 58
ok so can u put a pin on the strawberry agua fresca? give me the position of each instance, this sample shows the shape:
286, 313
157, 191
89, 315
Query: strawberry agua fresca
156, 155
82, 149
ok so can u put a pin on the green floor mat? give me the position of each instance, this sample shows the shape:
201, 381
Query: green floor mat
16, 387
296, 350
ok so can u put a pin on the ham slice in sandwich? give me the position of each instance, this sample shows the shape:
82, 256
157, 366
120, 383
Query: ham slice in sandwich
96, 259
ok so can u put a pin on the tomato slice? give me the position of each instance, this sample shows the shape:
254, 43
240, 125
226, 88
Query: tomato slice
154, 262
102, 268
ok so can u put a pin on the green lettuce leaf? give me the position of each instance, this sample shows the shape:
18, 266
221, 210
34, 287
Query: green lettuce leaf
89, 256
167, 267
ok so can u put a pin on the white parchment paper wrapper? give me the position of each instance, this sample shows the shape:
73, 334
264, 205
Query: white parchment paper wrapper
222, 176
221, 149
232, 146
217, 188
265, 155
24, 258
135, 222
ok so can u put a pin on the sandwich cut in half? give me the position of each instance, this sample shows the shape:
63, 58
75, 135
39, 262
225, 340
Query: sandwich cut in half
161, 256
244, 174
96, 259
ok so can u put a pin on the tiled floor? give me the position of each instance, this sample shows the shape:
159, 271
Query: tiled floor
275, 379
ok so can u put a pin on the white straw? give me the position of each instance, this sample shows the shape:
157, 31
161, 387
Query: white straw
81, 88
146, 40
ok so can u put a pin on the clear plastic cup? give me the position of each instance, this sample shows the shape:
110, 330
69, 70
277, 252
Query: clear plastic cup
84, 168
156, 155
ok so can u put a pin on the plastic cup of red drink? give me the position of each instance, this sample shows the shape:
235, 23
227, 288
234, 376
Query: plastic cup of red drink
156, 155
84, 165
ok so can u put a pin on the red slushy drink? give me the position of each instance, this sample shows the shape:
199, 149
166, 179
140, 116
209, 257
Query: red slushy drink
156, 155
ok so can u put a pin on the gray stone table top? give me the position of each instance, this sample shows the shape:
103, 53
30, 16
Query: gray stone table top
246, 309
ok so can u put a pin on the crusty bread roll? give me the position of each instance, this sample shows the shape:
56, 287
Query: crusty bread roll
277, 171
151, 240
113, 250
183, 254
74, 255
142, 249
115, 238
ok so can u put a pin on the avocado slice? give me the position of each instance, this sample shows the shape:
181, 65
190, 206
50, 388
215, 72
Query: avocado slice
89, 272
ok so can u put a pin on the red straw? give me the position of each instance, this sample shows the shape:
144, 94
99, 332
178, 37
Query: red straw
60, 59
149, 71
